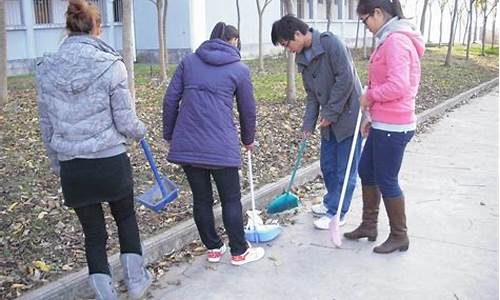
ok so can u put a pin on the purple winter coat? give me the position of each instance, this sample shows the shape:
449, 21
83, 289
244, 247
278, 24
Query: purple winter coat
198, 116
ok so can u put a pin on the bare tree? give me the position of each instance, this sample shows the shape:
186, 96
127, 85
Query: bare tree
422, 19
128, 45
291, 88
468, 22
160, 4
471, 6
442, 6
365, 52
447, 61
261, 9
328, 14
238, 14
357, 34
494, 27
476, 12
486, 12
430, 21
165, 11
3, 56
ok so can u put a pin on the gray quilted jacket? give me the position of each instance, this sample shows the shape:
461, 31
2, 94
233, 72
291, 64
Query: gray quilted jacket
85, 107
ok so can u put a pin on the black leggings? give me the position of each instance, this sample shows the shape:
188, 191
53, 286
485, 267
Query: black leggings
227, 181
94, 228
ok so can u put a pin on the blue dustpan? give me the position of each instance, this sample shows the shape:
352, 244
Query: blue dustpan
163, 192
262, 233
258, 233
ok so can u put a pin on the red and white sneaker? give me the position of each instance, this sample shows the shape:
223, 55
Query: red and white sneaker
252, 254
214, 255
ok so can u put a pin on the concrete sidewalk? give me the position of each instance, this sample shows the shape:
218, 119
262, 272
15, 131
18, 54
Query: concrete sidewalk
450, 178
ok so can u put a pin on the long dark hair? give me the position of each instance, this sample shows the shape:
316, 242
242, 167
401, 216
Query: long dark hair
391, 7
226, 33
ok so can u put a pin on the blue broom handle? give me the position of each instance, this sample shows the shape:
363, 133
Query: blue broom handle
149, 156
297, 163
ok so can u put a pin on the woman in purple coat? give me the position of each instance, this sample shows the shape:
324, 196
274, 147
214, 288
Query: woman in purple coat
198, 124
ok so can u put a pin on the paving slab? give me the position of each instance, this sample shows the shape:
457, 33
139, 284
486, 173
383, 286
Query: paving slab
450, 179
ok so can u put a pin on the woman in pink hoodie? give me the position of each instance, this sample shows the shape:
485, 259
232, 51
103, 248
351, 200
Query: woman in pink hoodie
393, 80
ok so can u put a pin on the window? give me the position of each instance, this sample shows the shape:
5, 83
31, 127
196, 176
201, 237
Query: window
13, 15
43, 14
118, 10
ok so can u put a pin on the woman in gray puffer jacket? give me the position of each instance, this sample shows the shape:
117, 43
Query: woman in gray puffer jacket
86, 115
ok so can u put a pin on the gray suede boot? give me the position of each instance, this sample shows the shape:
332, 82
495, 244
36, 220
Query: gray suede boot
136, 276
102, 284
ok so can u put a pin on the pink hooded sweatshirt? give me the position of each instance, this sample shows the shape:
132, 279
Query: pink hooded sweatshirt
394, 73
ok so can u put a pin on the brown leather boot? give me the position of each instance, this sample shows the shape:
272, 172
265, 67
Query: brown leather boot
398, 238
368, 227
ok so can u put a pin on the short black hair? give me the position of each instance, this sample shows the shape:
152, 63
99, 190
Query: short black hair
285, 28
391, 7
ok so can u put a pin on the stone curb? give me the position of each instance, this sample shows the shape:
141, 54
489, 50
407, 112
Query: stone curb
74, 286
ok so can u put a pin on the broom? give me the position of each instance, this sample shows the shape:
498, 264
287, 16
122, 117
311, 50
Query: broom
334, 223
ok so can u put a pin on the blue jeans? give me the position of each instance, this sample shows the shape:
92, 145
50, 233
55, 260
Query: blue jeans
333, 161
381, 160
227, 181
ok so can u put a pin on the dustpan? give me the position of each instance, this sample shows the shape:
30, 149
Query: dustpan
256, 231
163, 192
288, 200
334, 226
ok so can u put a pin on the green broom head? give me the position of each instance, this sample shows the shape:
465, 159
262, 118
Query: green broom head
282, 203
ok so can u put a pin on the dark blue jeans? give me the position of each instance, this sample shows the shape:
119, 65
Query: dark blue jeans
381, 160
333, 161
227, 181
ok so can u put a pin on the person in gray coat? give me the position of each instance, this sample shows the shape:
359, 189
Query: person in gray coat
86, 115
333, 90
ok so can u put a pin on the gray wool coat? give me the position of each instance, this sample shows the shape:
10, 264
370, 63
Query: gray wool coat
332, 86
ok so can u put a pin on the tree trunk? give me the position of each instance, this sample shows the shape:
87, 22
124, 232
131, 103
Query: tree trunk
483, 38
3, 57
238, 14
328, 14
422, 19
128, 48
475, 25
373, 43
165, 12
440, 28
452, 35
430, 25
494, 27
467, 24
260, 10
357, 35
291, 88
161, 39
261, 55
470, 31
365, 53
457, 21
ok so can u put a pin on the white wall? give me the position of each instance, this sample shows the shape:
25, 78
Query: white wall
225, 10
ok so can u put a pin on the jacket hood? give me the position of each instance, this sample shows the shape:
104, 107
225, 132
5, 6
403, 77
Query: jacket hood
79, 62
404, 27
217, 52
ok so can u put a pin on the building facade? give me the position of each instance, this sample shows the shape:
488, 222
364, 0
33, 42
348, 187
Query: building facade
36, 27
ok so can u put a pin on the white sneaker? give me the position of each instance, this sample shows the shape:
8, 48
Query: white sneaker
323, 223
214, 255
319, 209
252, 254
